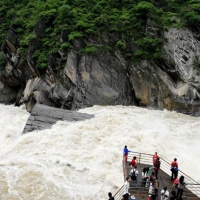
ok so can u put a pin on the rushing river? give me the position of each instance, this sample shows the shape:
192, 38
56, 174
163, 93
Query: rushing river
82, 160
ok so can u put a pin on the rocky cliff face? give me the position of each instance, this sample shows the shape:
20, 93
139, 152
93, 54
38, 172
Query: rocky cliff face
171, 82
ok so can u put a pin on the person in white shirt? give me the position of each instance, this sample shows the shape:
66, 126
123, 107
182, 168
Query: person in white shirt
145, 176
126, 187
164, 194
134, 175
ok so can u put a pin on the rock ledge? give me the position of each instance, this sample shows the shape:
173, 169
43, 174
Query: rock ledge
43, 117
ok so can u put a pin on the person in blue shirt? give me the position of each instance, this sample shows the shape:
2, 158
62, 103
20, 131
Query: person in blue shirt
126, 153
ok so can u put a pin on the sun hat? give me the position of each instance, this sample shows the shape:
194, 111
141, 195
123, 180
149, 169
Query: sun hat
133, 197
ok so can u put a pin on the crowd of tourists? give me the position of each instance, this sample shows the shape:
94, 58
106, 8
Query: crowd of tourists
150, 180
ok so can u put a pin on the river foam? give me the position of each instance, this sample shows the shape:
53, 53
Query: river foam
83, 160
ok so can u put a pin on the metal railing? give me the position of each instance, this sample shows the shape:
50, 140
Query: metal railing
118, 195
145, 158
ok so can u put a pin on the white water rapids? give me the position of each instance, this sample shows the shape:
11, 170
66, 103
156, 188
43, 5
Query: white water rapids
83, 160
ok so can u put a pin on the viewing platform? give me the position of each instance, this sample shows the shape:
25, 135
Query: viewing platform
191, 191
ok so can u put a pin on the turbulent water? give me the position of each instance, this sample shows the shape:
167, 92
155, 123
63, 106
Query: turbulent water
82, 160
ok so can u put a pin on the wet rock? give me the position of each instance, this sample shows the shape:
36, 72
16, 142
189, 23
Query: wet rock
43, 117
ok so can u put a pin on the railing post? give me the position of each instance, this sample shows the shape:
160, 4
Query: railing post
123, 165
139, 158
124, 168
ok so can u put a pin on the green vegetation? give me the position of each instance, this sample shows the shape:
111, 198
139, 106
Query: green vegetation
2, 59
132, 26
197, 62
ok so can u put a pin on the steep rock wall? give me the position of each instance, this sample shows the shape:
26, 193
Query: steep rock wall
171, 82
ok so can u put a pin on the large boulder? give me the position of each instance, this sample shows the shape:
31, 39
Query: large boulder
8, 94
43, 117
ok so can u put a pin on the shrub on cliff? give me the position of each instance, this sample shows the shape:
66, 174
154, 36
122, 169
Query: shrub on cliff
2, 59
133, 27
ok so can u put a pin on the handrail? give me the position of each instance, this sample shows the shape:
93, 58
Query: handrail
118, 195
126, 174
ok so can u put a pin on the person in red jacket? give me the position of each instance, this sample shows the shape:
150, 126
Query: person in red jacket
174, 169
157, 167
155, 156
133, 161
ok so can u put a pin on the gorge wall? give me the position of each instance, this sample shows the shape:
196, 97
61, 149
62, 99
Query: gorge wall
170, 82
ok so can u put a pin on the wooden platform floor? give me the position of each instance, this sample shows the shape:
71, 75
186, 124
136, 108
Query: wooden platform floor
164, 179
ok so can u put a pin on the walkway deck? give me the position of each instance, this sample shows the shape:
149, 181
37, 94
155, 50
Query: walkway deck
164, 179
191, 191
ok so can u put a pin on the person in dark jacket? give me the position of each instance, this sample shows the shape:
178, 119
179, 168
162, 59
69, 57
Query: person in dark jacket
110, 196
181, 186
154, 194
126, 196
174, 169
152, 180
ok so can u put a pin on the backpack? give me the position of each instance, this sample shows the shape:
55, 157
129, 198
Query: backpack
175, 167
134, 176
181, 185
157, 164
152, 179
